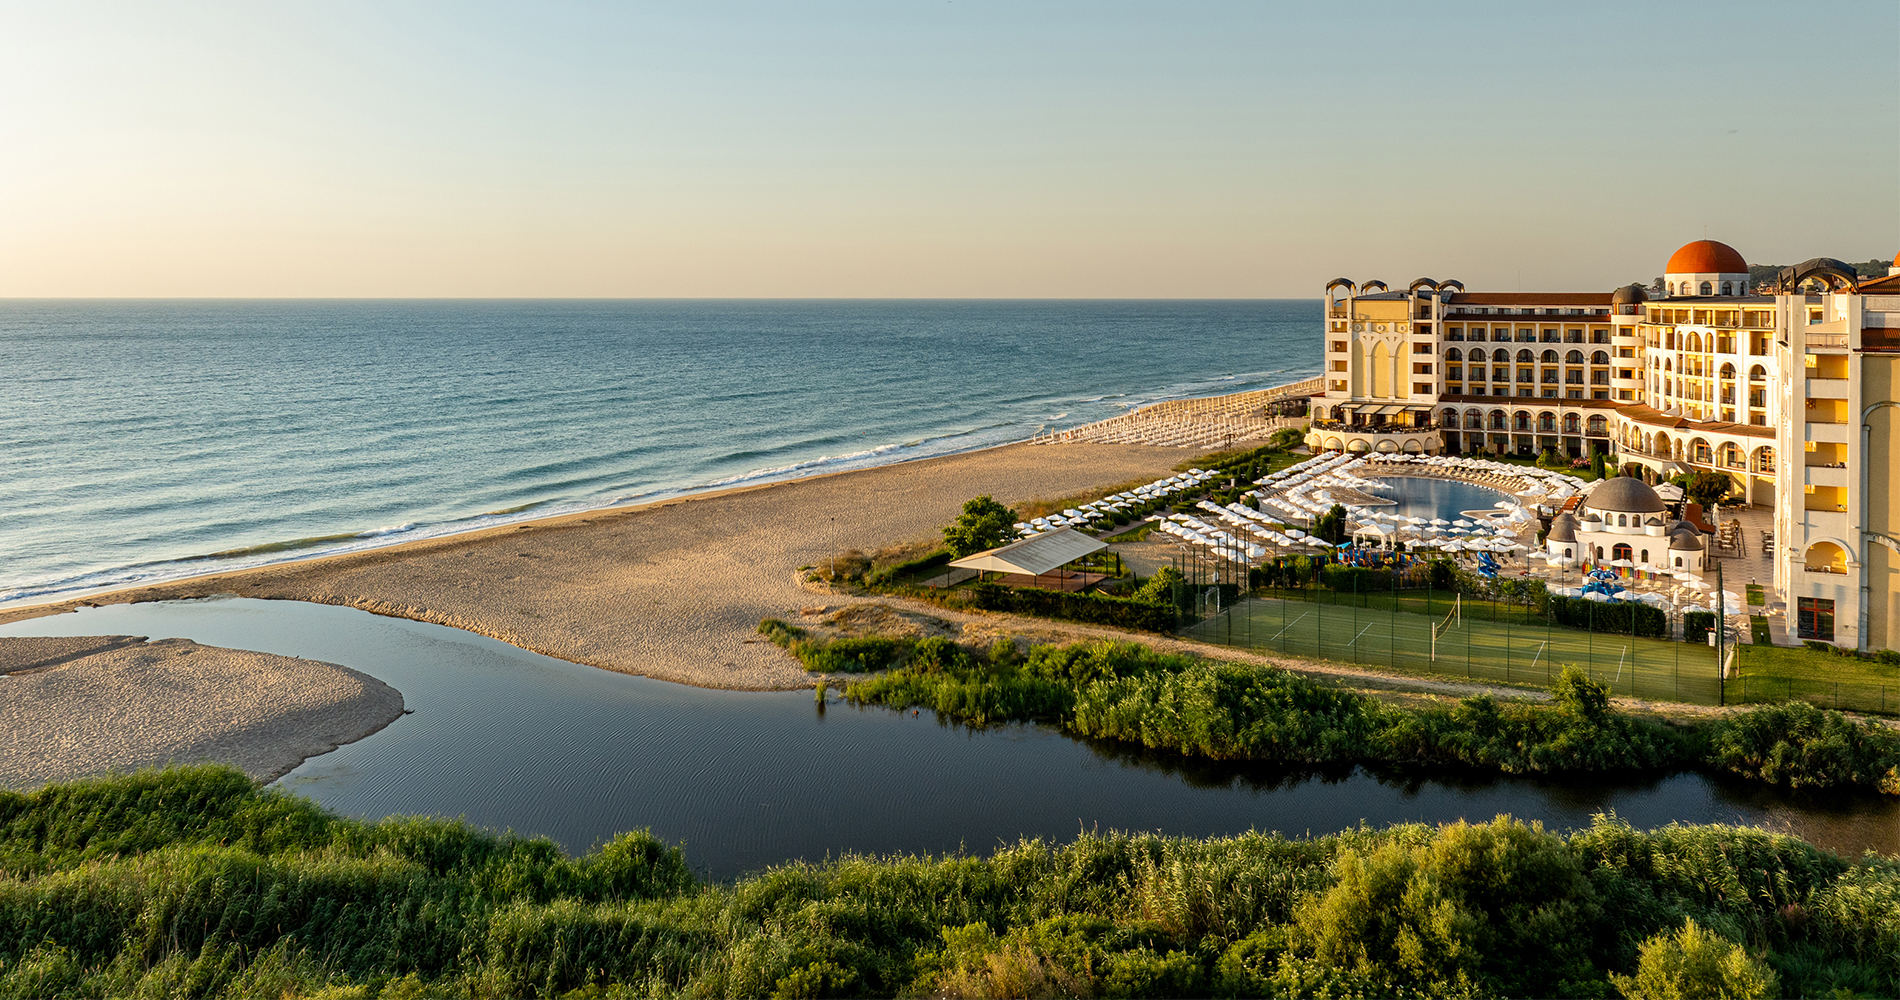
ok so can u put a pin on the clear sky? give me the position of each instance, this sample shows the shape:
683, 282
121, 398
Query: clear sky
890, 149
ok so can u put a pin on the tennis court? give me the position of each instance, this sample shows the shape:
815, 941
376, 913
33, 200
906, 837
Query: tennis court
1525, 653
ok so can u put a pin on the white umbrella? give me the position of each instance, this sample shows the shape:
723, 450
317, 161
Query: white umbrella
1462, 523
1622, 563
1441, 522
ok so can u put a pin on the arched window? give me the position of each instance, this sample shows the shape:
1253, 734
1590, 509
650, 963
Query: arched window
1600, 358
1598, 424
1620, 552
1708, 289
1523, 420
1669, 364
1574, 358
1474, 419
1454, 355
1672, 288
1757, 373
1570, 423
1477, 354
1725, 288
1765, 459
1599, 553
1524, 357
1645, 556
1695, 342
1678, 562
1550, 357
1728, 370
1622, 520
1497, 420
1546, 422
1450, 418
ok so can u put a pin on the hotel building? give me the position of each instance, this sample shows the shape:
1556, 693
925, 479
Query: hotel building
1787, 388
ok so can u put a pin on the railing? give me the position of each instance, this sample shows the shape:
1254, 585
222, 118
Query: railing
1830, 570
1827, 340
1344, 428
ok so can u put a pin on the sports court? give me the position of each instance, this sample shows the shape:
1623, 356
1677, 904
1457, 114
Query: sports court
1466, 646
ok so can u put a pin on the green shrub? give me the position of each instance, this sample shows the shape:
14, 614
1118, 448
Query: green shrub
1692, 962
1799, 745
1696, 625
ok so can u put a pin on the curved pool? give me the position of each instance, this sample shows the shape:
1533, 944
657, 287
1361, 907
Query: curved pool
1419, 496
515, 740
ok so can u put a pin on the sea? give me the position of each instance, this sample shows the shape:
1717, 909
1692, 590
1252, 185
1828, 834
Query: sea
142, 441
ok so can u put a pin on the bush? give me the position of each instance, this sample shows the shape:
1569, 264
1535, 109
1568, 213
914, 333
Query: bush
1625, 618
1818, 646
1692, 962
1135, 612
1696, 625
1799, 745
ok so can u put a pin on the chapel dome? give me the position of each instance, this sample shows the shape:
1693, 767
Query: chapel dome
1563, 528
1629, 295
1624, 495
1706, 257
1685, 540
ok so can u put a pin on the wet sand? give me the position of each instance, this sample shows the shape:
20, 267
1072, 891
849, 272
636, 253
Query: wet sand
673, 590
79, 706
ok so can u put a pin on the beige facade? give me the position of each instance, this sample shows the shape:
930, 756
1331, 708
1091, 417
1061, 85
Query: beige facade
1787, 390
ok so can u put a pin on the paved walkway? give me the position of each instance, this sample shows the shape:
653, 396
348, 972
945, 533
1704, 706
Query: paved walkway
1755, 566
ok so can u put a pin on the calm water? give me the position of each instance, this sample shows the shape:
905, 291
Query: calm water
146, 440
511, 739
1419, 496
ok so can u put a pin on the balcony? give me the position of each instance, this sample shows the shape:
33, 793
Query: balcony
1830, 570
1826, 340
1829, 433
1827, 475
1827, 388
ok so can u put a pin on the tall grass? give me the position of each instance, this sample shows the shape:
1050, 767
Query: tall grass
191, 882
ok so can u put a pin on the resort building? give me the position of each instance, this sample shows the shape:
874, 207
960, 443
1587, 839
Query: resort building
1787, 388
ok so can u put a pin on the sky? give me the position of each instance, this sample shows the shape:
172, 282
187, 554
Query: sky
931, 149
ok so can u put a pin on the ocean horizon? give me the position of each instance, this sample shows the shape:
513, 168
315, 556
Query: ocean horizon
150, 440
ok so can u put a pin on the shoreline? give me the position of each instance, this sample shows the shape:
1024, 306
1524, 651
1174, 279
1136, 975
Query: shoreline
658, 497
672, 589
92, 705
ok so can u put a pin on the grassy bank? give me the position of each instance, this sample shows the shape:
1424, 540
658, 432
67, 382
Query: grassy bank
1232, 711
192, 882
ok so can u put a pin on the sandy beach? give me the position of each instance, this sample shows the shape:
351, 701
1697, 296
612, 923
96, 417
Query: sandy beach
72, 707
673, 590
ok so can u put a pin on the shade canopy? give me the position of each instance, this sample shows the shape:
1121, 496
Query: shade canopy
1034, 556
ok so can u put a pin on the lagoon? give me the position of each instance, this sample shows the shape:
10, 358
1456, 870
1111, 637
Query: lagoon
514, 740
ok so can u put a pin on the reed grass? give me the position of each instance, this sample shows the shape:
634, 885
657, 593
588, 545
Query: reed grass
193, 882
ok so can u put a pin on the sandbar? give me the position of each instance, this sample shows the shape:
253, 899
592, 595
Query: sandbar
673, 590
77, 706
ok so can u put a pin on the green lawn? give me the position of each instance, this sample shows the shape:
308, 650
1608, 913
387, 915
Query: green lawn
1756, 596
1507, 650
1782, 673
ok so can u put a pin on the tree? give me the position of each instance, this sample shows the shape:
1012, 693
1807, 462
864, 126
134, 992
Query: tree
1331, 526
984, 524
1598, 466
1708, 488
1694, 962
1286, 438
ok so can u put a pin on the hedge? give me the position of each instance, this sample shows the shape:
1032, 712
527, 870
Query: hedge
1093, 609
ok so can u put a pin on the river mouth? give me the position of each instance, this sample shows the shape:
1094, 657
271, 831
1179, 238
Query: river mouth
513, 740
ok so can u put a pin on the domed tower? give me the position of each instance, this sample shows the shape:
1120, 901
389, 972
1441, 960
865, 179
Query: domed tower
1705, 267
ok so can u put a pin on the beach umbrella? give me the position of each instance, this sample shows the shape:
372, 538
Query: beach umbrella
1597, 596
1441, 522
1462, 523
1622, 563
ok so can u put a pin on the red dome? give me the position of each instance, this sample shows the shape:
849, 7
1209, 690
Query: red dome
1706, 257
